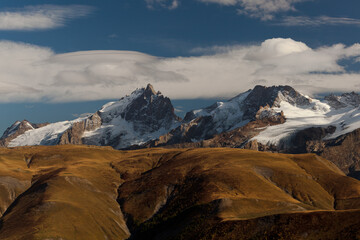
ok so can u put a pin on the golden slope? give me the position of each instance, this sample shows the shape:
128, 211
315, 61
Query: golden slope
73, 195
265, 183
81, 192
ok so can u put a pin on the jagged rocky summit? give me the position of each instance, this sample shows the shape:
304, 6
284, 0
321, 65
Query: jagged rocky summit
276, 118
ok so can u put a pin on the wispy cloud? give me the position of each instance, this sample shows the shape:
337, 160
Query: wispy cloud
267, 10
262, 9
33, 73
41, 17
317, 21
169, 4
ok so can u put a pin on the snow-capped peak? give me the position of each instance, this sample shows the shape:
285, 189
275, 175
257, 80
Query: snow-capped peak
141, 116
22, 126
243, 108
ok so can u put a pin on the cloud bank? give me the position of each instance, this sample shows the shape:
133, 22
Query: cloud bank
41, 17
33, 73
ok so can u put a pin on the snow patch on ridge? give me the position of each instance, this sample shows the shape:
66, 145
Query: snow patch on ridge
227, 115
47, 135
318, 114
121, 105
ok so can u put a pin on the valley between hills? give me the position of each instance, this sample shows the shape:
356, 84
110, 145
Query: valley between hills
90, 192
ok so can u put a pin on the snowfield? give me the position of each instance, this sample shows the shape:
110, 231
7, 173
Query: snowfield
47, 135
318, 114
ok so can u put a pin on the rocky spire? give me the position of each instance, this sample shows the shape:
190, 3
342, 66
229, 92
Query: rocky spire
150, 89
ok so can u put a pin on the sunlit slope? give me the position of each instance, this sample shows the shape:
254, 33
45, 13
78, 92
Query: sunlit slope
15, 177
73, 195
80, 192
248, 183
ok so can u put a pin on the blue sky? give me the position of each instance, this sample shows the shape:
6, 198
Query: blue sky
61, 58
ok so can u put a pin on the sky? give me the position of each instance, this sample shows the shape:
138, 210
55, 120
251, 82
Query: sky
60, 58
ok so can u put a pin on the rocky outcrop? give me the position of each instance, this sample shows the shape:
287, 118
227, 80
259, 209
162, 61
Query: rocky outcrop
74, 134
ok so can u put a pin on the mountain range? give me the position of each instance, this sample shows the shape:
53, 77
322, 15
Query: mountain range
276, 118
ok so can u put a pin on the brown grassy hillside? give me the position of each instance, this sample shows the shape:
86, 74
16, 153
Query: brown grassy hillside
81, 192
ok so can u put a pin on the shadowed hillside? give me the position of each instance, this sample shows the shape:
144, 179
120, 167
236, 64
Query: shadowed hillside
80, 192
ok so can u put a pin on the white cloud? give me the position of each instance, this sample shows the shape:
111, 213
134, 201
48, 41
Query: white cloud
317, 21
41, 17
169, 4
33, 73
277, 47
263, 9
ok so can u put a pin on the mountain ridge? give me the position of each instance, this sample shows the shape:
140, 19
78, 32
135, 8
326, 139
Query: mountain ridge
143, 112
276, 118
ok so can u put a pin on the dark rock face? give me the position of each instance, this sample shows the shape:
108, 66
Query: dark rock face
17, 129
344, 151
150, 111
310, 139
262, 96
74, 134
